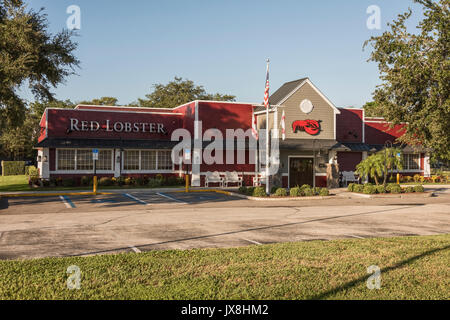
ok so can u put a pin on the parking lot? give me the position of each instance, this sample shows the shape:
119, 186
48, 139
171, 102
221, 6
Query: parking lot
137, 221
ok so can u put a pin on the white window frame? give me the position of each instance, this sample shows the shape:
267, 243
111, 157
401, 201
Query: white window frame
57, 171
146, 171
411, 170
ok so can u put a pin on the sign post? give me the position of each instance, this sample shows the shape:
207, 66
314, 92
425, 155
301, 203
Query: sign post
95, 158
187, 158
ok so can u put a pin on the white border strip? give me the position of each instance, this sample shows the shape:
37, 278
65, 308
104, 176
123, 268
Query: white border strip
169, 197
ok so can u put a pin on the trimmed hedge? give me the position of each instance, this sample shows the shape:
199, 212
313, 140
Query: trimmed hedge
369, 189
419, 189
259, 192
381, 189
13, 168
295, 192
281, 192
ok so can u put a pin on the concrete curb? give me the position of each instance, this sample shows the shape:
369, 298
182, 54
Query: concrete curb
393, 196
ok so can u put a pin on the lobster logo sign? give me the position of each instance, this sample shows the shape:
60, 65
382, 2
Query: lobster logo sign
311, 127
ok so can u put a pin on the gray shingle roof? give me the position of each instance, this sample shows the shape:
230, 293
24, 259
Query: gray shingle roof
284, 90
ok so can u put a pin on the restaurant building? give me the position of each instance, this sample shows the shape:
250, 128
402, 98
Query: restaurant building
321, 140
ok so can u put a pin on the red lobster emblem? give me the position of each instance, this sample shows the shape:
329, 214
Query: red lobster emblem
311, 127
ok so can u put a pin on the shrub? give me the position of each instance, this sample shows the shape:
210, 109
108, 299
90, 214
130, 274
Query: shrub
273, 190
324, 192
69, 182
358, 188
281, 192
416, 177
409, 189
305, 186
159, 176
351, 186
46, 183
295, 192
316, 191
250, 191
369, 189
307, 192
86, 181
243, 190
390, 186
154, 183
409, 178
34, 181
419, 189
31, 171
259, 192
105, 181
380, 189
13, 168
368, 184
171, 181
395, 189
129, 181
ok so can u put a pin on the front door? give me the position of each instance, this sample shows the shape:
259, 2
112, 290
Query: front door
301, 171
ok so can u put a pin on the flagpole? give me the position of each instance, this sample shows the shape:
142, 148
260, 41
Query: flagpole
267, 135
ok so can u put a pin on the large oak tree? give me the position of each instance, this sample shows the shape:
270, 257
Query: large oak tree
415, 72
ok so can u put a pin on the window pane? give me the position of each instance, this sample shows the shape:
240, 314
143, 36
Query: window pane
66, 159
104, 161
148, 160
414, 161
131, 160
165, 160
84, 160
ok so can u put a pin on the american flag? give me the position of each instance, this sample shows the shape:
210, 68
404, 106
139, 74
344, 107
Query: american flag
266, 91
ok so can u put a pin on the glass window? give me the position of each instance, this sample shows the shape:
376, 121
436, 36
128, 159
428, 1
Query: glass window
165, 160
104, 161
131, 160
66, 159
411, 161
84, 160
148, 160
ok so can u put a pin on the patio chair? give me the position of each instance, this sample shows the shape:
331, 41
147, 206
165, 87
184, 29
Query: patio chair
232, 177
349, 176
213, 177
259, 179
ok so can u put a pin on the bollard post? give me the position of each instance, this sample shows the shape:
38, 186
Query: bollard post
95, 185
187, 183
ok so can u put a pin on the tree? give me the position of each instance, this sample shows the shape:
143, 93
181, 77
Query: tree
29, 55
103, 101
17, 142
370, 109
379, 164
178, 92
415, 70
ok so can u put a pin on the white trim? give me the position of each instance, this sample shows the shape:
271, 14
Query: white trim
336, 110
306, 157
363, 126
57, 171
121, 111
321, 174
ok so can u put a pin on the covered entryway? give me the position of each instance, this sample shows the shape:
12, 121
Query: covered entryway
301, 171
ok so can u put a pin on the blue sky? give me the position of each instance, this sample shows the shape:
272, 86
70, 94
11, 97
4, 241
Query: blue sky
126, 46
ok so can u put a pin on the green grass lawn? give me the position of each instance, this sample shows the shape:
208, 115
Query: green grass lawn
411, 268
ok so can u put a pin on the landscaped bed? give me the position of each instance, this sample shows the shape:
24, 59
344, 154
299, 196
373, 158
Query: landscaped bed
303, 191
390, 188
411, 268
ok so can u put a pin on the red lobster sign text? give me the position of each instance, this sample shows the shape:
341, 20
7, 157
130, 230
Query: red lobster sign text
311, 127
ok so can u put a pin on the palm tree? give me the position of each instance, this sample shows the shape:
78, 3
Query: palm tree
371, 166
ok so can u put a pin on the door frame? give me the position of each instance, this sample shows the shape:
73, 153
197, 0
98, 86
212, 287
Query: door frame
303, 157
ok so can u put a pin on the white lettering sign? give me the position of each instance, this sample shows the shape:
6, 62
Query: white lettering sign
136, 127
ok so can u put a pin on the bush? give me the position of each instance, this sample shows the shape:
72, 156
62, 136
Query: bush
129, 181
380, 189
171, 181
154, 183
69, 182
369, 189
417, 177
395, 189
351, 186
295, 192
409, 178
390, 186
259, 192
31, 171
140, 181
86, 181
409, 189
305, 186
250, 191
159, 176
281, 192
324, 192
105, 181
13, 168
316, 190
243, 190
273, 190
307, 192
34, 181
419, 189
359, 188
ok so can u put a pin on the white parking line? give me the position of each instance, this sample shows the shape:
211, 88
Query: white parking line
67, 202
169, 197
135, 249
136, 199
252, 241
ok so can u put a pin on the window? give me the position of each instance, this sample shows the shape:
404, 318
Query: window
66, 159
131, 160
84, 160
104, 161
165, 160
148, 160
411, 161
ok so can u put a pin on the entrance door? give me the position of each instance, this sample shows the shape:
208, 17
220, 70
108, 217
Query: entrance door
301, 172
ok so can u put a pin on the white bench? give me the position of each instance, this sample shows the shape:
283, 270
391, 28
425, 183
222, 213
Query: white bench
213, 177
349, 176
232, 177
259, 179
